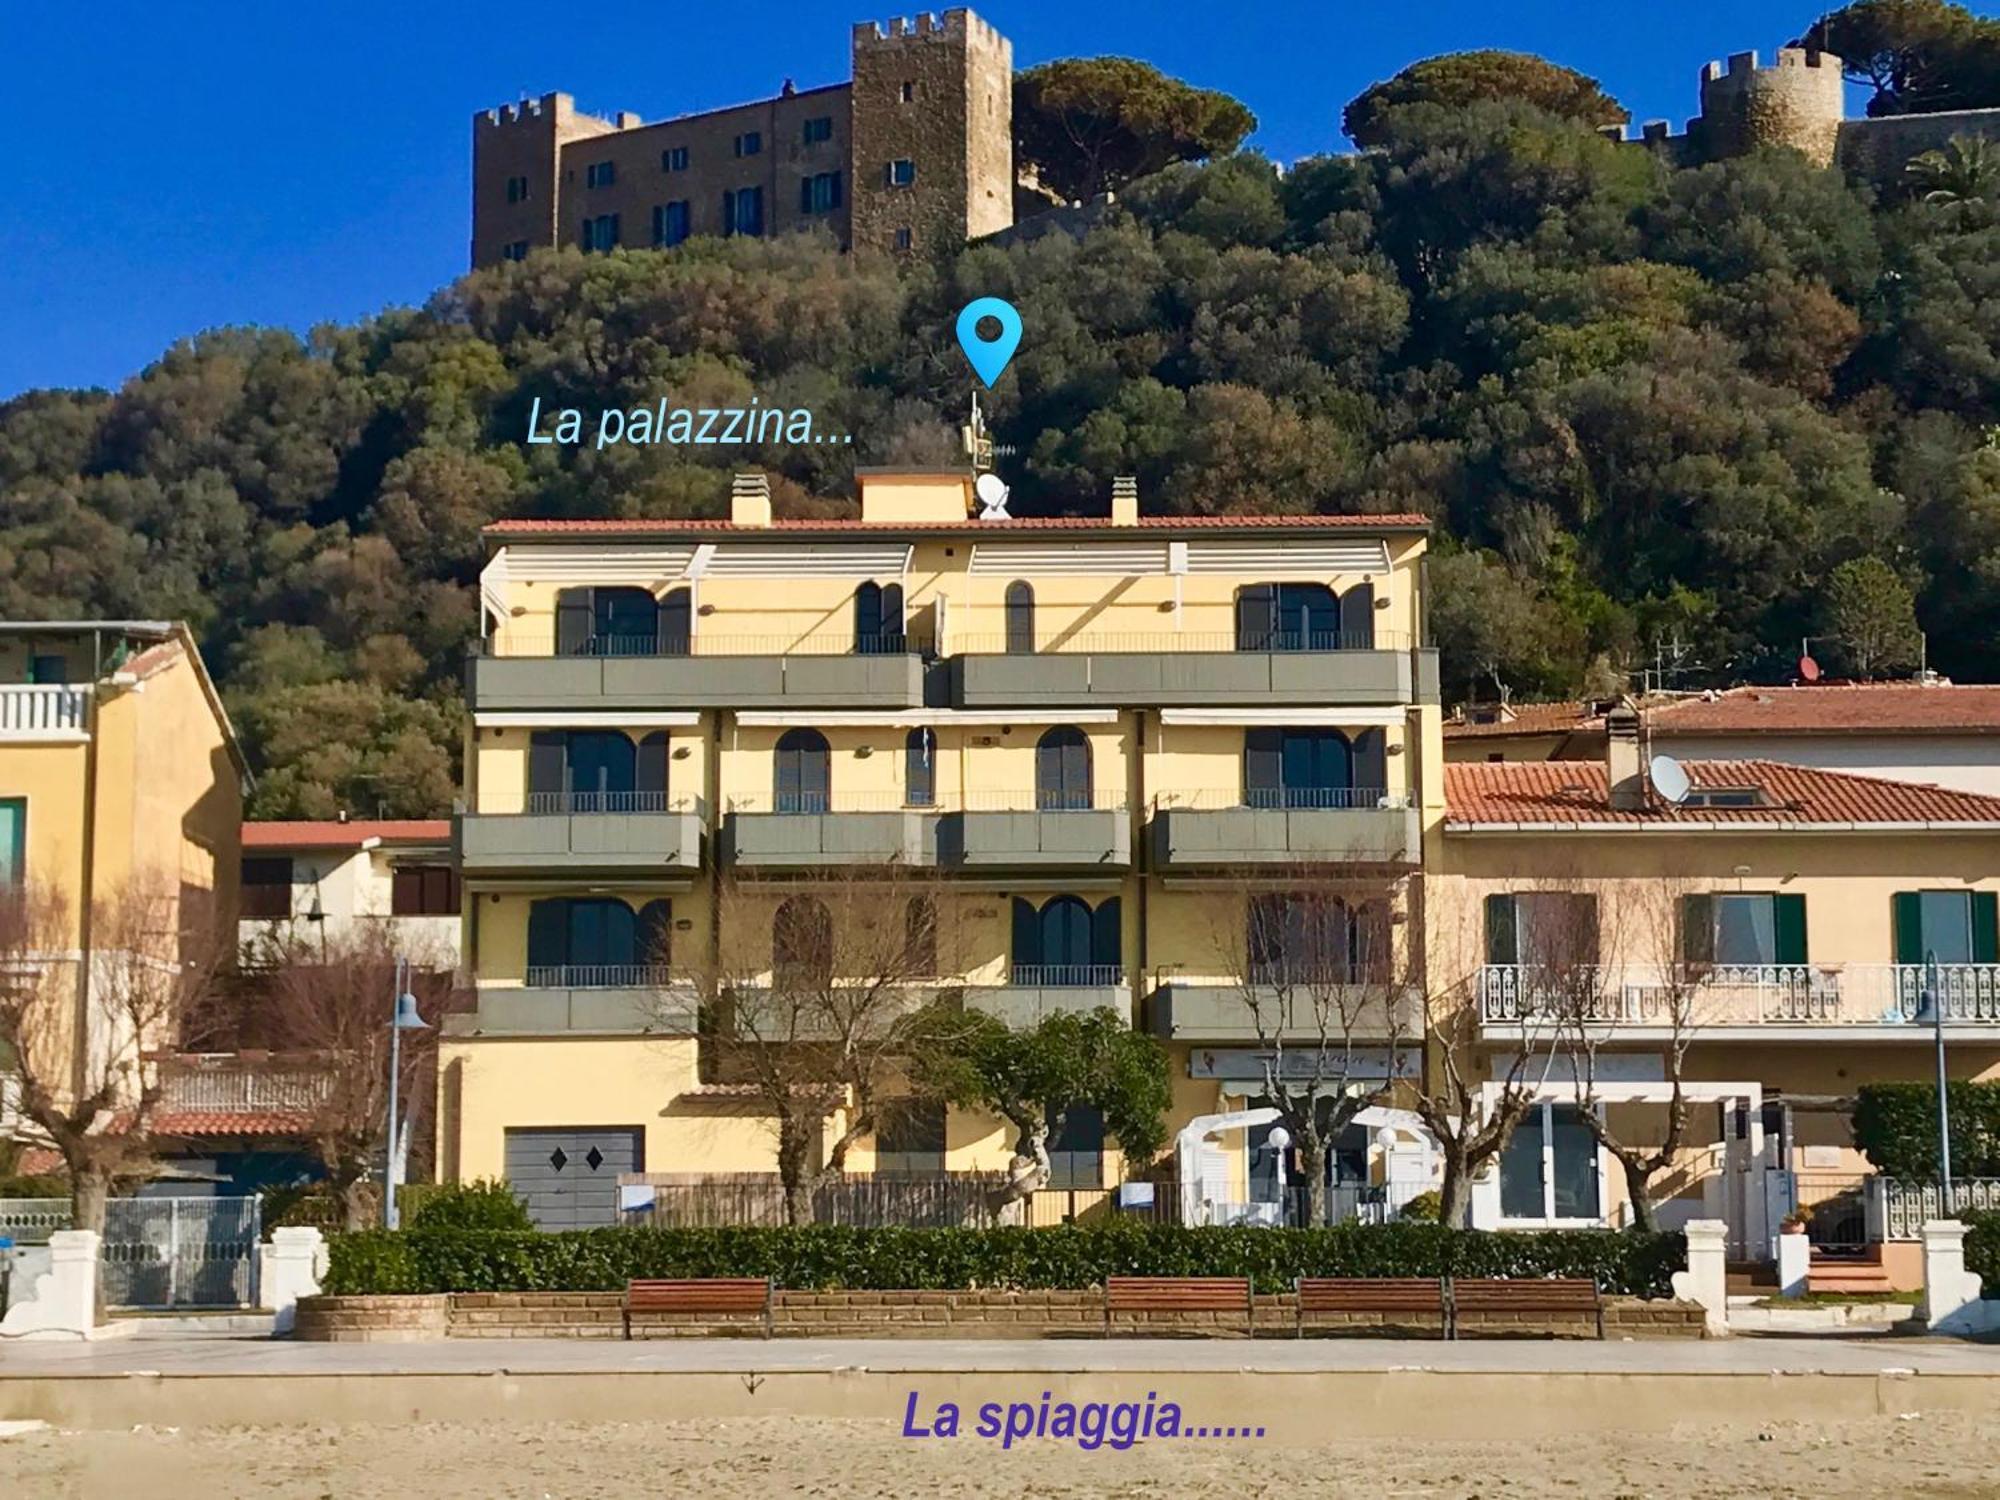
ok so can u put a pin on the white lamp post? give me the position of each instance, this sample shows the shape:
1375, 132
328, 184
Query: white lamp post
1932, 1009
1280, 1141
404, 1019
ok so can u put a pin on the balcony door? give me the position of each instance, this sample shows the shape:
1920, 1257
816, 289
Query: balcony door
878, 619
1062, 770
582, 943
1020, 618
1065, 942
1307, 768
1288, 617
803, 772
1956, 927
607, 622
596, 771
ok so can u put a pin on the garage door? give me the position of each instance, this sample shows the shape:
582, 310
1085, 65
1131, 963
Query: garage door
569, 1178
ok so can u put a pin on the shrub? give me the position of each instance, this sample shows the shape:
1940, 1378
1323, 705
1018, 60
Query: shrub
1425, 1208
833, 1258
1982, 1249
1895, 1127
485, 1205
34, 1187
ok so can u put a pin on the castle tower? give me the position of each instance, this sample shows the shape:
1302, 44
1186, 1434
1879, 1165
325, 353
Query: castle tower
1798, 103
516, 173
933, 143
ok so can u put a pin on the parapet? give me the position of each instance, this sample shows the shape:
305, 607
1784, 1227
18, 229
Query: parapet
1799, 101
957, 22
558, 110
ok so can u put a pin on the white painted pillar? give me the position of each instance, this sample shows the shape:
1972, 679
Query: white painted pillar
289, 1268
1794, 1263
63, 1302
1706, 1280
1951, 1293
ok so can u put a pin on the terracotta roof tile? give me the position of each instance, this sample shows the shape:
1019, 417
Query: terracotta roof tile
1568, 792
332, 834
968, 526
1527, 718
205, 1122
1846, 708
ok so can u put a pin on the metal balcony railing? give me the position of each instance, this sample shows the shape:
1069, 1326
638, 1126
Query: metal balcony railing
611, 802
1232, 799
1813, 994
941, 800
1065, 976
516, 642
1125, 643
598, 976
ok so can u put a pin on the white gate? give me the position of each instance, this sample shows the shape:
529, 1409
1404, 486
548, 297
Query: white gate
181, 1252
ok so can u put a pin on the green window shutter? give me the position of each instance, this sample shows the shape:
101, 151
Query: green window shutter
1502, 943
1906, 907
1791, 928
1698, 929
1985, 927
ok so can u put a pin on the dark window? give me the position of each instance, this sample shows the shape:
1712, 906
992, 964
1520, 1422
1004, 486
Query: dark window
802, 945
1549, 1167
424, 891
600, 233
743, 211
1298, 939
1076, 1149
920, 768
515, 250
819, 193
607, 622
920, 924
909, 91
903, 239
878, 619
1287, 617
670, 223
49, 670
600, 174
676, 622
910, 1137
819, 128
1744, 928
1064, 942
1020, 618
1062, 770
802, 772
1357, 617
267, 886
1955, 927
749, 143
1298, 768
14, 846
579, 943
674, 159
1547, 930
594, 771
517, 189
902, 172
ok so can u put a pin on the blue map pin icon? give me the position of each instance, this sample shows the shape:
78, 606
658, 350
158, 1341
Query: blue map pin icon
989, 356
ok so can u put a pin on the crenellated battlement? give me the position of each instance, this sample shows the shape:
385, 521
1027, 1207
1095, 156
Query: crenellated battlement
550, 110
1798, 101
957, 24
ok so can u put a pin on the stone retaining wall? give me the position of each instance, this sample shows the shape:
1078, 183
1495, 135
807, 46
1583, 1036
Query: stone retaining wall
1038, 1314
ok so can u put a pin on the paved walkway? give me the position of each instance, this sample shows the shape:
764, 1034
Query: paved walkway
213, 1356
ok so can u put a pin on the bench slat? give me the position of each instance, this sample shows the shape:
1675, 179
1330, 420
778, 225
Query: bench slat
721, 1294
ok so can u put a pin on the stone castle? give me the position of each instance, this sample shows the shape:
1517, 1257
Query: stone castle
917, 148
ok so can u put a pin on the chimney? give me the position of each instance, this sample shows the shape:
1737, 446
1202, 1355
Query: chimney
1125, 500
1624, 773
750, 500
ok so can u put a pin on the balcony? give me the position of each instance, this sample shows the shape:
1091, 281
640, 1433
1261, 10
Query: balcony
44, 713
606, 673
583, 833
986, 832
1301, 1011
229, 1084
1166, 670
583, 999
1037, 990
1345, 825
1873, 1002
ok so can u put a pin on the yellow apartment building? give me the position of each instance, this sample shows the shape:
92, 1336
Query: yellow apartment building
119, 774
1765, 937
1094, 747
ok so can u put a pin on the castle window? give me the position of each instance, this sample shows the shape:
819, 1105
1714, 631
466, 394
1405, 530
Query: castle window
819, 129
749, 143
515, 250
670, 223
674, 159
601, 233
743, 210
600, 174
909, 91
903, 238
819, 193
517, 189
902, 172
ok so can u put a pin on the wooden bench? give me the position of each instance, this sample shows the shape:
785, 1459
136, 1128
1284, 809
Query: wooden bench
1386, 1295
1525, 1294
722, 1294
1176, 1294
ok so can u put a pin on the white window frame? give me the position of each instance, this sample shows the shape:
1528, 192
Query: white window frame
1548, 1219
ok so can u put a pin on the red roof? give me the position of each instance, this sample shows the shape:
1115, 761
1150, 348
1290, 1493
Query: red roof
1565, 792
1845, 708
191, 1122
1525, 718
332, 834
968, 526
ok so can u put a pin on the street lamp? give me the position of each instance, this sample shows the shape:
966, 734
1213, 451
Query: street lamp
1932, 1005
1280, 1141
404, 1019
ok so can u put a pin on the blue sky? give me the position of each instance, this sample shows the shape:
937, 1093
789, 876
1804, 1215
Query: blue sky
172, 166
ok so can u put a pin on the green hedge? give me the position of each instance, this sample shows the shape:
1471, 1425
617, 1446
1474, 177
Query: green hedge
886, 1259
1982, 1250
1896, 1128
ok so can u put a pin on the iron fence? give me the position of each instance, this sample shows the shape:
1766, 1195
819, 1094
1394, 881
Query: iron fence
1906, 1205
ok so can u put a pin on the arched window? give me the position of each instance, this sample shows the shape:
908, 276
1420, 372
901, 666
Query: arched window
653, 940
583, 943
920, 768
588, 771
802, 945
1287, 617
1064, 942
1020, 618
1062, 770
649, 774
1304, 940
1297, 768
607, 622
677, 622
1357, 618
801, 774
878, 619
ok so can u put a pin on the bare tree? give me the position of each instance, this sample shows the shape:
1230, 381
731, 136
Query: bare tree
326, 1007
86, 999
1312, 957
811, 1003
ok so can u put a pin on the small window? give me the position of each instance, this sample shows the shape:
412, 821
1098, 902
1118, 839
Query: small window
1076, 1151
515, 250
48, 671
750, 143
818, 129
920, 768
517, 190
670, 223
819, 193
1724, 796
909, 91
14, 842
910, 1138
424, 891
903, 238
1744, 929
601, 233
743, 211
920, 925
902, 172
267, 887
674, 159
600, 174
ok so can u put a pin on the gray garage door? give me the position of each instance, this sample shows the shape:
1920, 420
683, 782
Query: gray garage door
569, 1178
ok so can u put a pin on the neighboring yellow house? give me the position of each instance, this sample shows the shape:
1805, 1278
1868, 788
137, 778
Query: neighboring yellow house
1769, 929
1097, 744
119, 773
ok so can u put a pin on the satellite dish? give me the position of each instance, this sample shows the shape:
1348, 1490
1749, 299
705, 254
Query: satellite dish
992, 492
1808, 669
1669, 778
